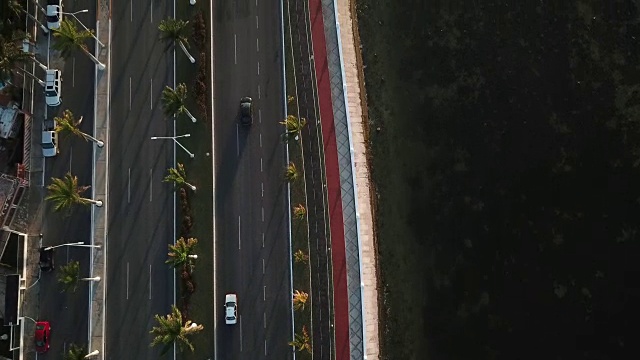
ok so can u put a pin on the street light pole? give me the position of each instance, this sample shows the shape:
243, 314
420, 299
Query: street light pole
67, 244
78, 20
93, 353
174, 138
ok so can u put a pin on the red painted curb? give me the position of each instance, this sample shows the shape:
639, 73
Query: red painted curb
336, 221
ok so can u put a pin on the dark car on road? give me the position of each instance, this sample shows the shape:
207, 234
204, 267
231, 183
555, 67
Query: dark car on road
43, 331
46, 260
246, 111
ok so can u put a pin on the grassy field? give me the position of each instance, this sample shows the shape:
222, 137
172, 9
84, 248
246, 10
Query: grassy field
505, 152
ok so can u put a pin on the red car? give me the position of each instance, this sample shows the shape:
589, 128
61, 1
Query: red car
43, 330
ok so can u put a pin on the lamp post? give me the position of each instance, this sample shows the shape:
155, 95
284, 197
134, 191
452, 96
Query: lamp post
193, 256
67, 244
78, 20
174, 138
98, 142
93, 353
26, 317
97, 278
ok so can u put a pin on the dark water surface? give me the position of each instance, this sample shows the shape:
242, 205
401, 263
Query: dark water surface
507, 167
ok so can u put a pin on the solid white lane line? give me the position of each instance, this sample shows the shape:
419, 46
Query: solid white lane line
149, 281
150, 185
239, 247
127, 281
257, 45
257, 27
129, 188
235, 53
151, 93
73, 72
240, 320
130, 94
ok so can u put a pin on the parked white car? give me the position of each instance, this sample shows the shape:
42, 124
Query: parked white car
54, 13
49, 143
53, 87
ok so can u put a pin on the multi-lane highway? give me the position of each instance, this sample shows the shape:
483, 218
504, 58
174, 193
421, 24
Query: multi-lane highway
251, 222
68, 313
140, 218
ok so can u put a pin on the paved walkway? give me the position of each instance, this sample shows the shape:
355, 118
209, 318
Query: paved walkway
97, 292
353, 247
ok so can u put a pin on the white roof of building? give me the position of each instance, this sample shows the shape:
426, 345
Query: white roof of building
8, 125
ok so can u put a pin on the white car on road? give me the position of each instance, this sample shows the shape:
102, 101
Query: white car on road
231, 309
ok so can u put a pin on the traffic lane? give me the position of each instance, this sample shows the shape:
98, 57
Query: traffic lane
140, 232
67, 312
141, 120
252, 270
276, 250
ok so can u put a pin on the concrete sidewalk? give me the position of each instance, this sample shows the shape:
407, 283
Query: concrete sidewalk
353, 246
354, 92
97, 292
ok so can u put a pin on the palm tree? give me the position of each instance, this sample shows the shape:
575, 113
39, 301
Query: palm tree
67, 123
75, 352
69, 275
181, 254
65, 192
302, 341
299, 212
11, 54
176, 31
173, 101
170, 330
291, 172
299, 300
70, 39
294, 126
300, 257
17, 8
178, 177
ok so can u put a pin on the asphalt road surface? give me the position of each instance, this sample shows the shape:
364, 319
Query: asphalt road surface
68, 312
140, 218
252, 241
